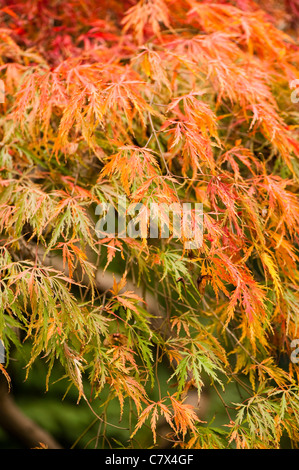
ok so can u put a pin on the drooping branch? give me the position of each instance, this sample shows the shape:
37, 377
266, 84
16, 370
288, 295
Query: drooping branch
20, 426
12, 419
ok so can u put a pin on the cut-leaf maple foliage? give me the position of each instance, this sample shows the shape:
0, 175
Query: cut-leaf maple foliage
159, 101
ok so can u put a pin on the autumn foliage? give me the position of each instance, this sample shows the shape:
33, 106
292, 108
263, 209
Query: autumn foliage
159, 101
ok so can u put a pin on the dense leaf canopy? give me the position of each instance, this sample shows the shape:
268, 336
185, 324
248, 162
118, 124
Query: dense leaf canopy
160, 101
